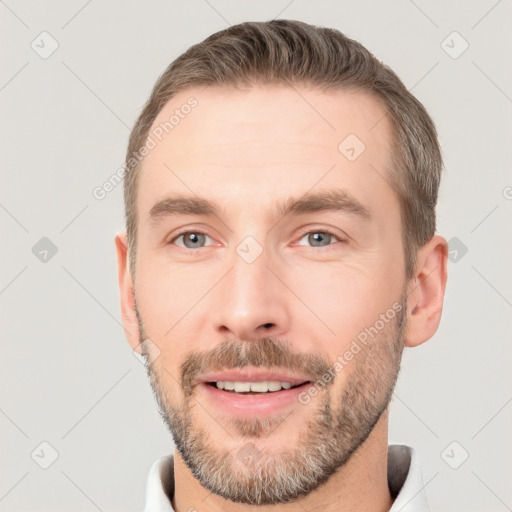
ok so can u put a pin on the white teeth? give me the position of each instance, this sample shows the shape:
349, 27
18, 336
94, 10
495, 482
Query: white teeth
242, 386
256, 387
276, 386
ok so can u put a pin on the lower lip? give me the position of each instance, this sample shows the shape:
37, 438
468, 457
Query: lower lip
250, 405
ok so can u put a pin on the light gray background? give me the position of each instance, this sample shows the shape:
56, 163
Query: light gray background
68, 376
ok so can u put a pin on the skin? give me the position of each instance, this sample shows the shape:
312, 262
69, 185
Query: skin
247, 150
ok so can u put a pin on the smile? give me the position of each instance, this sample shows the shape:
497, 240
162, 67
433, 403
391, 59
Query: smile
250, 399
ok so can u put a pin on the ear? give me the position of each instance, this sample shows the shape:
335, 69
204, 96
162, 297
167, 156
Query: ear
426, 292
130, 323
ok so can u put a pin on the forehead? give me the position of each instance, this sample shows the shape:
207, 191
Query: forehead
266, 140
273, 113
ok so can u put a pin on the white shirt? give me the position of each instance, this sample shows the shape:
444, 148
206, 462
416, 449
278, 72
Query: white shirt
405, 482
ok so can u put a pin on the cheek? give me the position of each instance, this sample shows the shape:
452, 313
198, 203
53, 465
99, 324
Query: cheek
166, 291
168, 371
171, 298
345, 301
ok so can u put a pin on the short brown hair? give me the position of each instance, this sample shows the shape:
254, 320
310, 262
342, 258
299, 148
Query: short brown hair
294, 52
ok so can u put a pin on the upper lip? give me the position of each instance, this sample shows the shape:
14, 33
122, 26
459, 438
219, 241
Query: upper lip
253, 376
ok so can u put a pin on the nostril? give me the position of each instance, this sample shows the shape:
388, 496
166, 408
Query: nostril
268, 325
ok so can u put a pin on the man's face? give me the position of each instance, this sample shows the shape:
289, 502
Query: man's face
315, 295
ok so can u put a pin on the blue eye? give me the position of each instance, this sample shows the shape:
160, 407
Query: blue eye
320, 238
194, 238
197, 239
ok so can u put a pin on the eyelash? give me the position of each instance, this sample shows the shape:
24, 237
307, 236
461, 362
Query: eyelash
199, 232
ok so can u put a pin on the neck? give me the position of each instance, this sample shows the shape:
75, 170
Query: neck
360, 485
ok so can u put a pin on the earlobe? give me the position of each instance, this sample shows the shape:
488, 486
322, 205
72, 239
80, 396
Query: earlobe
126, 291
426, 292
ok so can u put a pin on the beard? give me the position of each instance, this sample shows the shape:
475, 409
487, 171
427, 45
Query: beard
333, 432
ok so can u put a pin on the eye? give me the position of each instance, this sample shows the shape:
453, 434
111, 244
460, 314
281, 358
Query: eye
320, 238
191, 239
197, 239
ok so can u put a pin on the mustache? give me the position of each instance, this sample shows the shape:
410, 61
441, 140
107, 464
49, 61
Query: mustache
265, 352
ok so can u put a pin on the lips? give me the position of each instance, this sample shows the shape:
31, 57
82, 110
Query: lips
249, 404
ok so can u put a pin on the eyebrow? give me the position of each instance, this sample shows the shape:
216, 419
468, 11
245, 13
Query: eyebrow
333, 200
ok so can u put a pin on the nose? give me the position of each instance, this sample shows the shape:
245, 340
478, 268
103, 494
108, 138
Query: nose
252, 301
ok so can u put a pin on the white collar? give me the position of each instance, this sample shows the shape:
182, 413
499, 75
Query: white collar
404, 479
